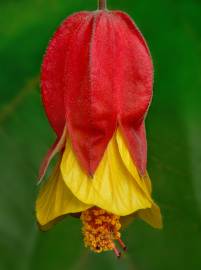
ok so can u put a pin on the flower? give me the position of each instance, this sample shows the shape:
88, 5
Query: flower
96, 82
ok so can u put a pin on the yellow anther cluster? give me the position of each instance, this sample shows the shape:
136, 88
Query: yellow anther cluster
100, 228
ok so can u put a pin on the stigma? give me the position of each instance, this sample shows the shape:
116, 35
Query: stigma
101, 229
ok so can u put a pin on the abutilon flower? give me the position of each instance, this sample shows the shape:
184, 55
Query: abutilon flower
96, 82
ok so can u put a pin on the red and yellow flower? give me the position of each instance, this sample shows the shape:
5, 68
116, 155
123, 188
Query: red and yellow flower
96, 82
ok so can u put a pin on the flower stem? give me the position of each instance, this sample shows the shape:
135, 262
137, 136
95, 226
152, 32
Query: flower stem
102, 4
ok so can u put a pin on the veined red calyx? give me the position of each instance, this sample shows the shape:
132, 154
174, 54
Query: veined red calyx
97, 74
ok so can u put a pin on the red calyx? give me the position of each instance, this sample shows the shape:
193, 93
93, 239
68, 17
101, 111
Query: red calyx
97, 75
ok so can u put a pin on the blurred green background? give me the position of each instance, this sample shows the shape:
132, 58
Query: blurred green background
173, 31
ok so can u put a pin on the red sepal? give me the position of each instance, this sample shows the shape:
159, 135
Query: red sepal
52, 72
135, 87
58, 145
98, 73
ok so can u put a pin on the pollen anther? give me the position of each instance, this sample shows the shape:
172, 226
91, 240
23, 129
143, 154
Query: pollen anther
100, 229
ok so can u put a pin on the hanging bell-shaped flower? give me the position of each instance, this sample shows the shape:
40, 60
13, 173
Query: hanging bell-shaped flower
96, 81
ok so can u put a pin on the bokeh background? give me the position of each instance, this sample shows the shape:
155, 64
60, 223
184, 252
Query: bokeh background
173, 31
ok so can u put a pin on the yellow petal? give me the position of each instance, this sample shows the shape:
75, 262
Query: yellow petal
152, 216
143, 182
56, 200
112, 187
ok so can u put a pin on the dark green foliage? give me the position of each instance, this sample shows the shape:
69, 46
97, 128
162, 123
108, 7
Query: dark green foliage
173, 31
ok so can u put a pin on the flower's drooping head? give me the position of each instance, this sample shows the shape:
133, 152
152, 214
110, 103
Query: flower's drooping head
96, 82
97, 74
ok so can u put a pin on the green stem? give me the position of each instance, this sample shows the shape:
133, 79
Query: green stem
102, 4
